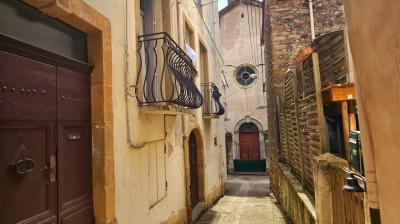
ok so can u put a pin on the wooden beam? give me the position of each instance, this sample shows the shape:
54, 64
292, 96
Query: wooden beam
320, 106
346, 126
352, 122
338, 93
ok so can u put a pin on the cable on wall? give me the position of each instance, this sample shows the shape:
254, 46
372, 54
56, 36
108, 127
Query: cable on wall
212, 39
250, 36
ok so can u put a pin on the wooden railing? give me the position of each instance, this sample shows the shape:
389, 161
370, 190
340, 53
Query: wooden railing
348, 207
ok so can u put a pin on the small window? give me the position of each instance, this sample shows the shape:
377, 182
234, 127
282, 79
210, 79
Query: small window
189, 36
142, 5
203, 64
245, 75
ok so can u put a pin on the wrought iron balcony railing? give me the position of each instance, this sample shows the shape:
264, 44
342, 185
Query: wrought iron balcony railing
212, 107
166, 74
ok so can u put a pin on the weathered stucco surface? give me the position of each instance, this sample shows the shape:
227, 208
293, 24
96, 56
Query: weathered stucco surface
136, 134
236, 49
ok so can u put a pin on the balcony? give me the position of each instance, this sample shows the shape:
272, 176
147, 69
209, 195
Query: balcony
165, 82
212, 107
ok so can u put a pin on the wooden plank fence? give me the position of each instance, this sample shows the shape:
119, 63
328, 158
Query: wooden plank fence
300, 128
300, 135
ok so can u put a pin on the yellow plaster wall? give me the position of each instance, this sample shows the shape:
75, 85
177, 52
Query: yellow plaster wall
374, 23
134, 129
214, 155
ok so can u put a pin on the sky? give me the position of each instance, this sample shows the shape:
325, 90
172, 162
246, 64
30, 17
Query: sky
222, 4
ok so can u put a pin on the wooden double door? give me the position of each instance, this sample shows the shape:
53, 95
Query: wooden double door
45, 142
194, 172
249, 146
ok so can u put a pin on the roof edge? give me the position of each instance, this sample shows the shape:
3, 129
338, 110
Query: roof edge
237, 2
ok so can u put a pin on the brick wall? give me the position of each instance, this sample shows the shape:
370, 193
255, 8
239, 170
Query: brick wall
290, 30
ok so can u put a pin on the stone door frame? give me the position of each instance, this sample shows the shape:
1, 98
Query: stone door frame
235, 138
83, 17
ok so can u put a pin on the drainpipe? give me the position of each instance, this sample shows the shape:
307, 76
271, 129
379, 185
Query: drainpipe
310, 6
129, 87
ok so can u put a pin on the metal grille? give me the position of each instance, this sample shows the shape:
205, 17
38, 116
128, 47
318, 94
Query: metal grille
212, 106
166, 74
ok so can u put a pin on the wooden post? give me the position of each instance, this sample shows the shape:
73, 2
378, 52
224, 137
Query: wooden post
320, 106
353, 122
346, 127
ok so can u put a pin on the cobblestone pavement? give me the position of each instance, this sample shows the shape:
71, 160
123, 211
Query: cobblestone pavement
246, 201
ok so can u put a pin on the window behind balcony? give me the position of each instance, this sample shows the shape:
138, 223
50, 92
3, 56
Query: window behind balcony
189, 36
147, 8
208, 105
148, 16
204, 64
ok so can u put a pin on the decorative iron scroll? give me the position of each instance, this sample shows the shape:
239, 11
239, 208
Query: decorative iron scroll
166, 74
212, 105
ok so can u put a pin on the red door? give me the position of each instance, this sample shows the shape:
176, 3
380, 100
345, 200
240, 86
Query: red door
45, 162
194, 174
249, 146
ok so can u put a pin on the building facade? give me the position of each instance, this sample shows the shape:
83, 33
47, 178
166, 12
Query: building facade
245, 122
136, 88
306, 47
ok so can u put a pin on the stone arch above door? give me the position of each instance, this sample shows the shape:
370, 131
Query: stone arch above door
248, 119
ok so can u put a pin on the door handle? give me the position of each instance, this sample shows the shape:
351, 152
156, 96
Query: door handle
23, 166
51, 168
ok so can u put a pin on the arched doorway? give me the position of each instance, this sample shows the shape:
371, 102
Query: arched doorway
250, 155
194, 172
249, 144
194, 164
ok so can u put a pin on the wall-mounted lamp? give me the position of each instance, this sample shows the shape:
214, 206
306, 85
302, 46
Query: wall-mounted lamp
352, 184
253, 76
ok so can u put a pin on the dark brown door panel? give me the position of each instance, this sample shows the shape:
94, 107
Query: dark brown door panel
27, 89
45, 141
73, 95
194, 174
27, 195
74, 147
81, 216
75, 170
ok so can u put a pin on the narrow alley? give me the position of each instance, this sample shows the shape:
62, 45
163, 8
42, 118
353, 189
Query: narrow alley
199, 111
247, 200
